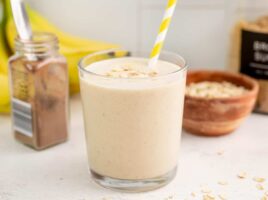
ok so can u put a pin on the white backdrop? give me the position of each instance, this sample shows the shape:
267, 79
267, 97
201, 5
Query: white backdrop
198, 29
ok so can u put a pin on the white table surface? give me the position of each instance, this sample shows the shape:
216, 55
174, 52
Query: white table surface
61, 172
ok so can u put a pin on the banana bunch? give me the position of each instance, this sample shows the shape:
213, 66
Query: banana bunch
72, 47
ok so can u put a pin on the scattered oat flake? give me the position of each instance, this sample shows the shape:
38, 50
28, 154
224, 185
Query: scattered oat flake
220, 152
193, 194
266, 193
264, 198
153, 73
260, 187
208, 197
242, 175
211, 195
205, 190
108, 74
222, 182
259, 179
169, 197
222, 197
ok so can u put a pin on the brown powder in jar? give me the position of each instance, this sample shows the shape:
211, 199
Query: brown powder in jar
258, 26
44, 85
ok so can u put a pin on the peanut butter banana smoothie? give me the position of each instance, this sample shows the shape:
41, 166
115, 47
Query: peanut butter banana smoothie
133, 119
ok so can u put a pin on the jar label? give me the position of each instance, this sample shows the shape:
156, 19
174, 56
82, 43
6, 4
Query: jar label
22, 117
254, 54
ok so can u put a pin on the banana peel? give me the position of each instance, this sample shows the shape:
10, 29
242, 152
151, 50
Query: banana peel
4, 54
3, 46
72, 47
72, 60
4, 94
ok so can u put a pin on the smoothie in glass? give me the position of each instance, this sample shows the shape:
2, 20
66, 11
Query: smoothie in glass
133, 120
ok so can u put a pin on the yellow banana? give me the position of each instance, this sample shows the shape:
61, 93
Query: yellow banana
72, 47
4, 94
4, 89
3, 55
3, 45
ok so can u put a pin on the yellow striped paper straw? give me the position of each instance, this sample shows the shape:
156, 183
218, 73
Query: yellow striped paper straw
162, 32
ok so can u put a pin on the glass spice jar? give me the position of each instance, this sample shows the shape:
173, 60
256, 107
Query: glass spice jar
248, 52
39, 91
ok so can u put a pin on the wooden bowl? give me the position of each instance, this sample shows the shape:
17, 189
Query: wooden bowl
218, 116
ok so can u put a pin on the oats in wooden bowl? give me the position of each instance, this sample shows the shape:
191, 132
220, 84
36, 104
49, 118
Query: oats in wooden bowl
217, 102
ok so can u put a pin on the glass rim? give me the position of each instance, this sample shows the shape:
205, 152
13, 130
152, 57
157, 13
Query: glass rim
180, 69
